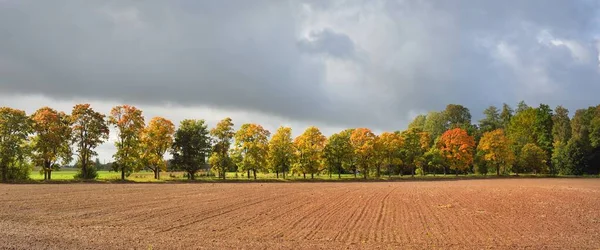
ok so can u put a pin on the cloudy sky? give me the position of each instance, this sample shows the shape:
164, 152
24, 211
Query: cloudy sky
333, 64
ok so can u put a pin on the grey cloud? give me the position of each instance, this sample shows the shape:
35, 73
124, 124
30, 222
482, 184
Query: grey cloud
253, 55
329, 43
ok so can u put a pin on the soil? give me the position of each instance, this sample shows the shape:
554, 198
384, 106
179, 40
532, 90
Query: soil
462, 214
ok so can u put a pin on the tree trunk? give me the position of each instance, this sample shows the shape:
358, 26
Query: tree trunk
283, 174
498, 170
277, 172
304, 175
354, 173
4, 173
191, 175
122, 174
456, 172
45, 174
444, 170
378, 171
312, 175
248, 174
340, 171
412, 173
254, 170
49, 174
365, 174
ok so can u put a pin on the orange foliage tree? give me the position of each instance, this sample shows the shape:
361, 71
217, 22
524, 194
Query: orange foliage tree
457, 147
52, 142
130, 123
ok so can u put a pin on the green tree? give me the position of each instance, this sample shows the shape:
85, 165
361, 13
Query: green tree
561, 130
418, 122
435, 159
522, 106
15, 127
412, 149
130, 125
52, 141
89, 131
222, 135
281, 151
543, 129
435, 124
520, 129
457, 116
338, 151
506, 115
191, 146
532, 158
492, 120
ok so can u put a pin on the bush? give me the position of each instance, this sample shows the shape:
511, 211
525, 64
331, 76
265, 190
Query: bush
20, 171
90, 174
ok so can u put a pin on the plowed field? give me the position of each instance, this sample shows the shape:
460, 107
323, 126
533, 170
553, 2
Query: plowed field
473, 214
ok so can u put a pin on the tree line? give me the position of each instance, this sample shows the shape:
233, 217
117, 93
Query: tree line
506, 141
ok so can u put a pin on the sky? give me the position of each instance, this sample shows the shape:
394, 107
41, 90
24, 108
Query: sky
333, 64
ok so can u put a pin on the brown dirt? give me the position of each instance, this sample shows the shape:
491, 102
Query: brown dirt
472, 214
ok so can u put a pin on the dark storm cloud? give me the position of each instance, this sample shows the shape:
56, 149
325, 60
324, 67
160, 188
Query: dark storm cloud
298, 59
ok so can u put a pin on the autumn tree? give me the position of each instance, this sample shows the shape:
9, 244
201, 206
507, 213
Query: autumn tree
191, 146
51, 144
15, 127
89, 131
222, 135
494, 147
252, 145
281, 151
338, 152
156, 139
363, 142
412, 148
457, 147
532, 158
391, 147
130, 125
309, 150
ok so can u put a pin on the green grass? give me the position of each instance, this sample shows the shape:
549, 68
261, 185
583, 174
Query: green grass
148, 176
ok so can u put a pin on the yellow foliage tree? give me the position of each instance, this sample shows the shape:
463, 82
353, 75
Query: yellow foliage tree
364, 144
496, 151
309, 151
157, 138
281, 151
